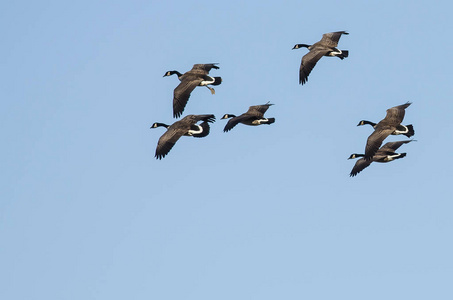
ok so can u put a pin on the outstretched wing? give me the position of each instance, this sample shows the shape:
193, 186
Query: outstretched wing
192, 119
375, 140
359, 166
308, 62
236, 120
167, 141
331, 39
203, 69
182, 93
258, 110
395, 115
393, 146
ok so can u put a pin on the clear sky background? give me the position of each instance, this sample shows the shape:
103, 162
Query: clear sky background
269, 212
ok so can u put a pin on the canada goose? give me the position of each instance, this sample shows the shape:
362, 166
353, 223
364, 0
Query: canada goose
407, 130
385, 154
196, 130
390, 124
186, 126
253, 117
198, 76
325, 47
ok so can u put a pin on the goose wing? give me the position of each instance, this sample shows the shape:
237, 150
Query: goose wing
375, 140
395, 115
192, 119
168, 140
182, 92
359, 166
258, 110
393, 146
236, 120
202, 69
177, 130
308, 62
331, 39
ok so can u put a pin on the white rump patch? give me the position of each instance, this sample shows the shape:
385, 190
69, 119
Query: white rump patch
192, 132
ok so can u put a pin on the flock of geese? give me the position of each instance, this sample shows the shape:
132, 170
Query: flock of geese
187, 126
198, 125
390, 125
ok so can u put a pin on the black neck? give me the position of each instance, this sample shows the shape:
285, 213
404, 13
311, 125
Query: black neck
355, 155
172, 73
155, 125
368, 122
297, 46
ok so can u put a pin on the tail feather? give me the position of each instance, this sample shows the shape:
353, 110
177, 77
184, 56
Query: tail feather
270, 121
344, 54
411, 131
205, 132
217, 81
401, 155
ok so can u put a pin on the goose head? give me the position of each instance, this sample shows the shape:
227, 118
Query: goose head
169, 73
364, 122
227, 116
355, 155
298, 46
157, 124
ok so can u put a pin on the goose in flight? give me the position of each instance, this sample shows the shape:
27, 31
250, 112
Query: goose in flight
391, 124
198, 76
253, 117
385, 154
325, 47
186, 126
401, 129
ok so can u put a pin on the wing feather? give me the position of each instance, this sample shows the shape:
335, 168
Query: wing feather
202, 69
182, 93
308, 62
331, 39
167, 141
258, 110
393, 146
236, 120
395, 115
375, 140
359, 166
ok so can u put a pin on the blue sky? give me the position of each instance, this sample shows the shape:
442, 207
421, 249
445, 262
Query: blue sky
267, 212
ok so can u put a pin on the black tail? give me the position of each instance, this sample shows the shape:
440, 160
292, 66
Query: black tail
205, 132
344, 54
217, 81
411, 131
401, 155
270, 121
